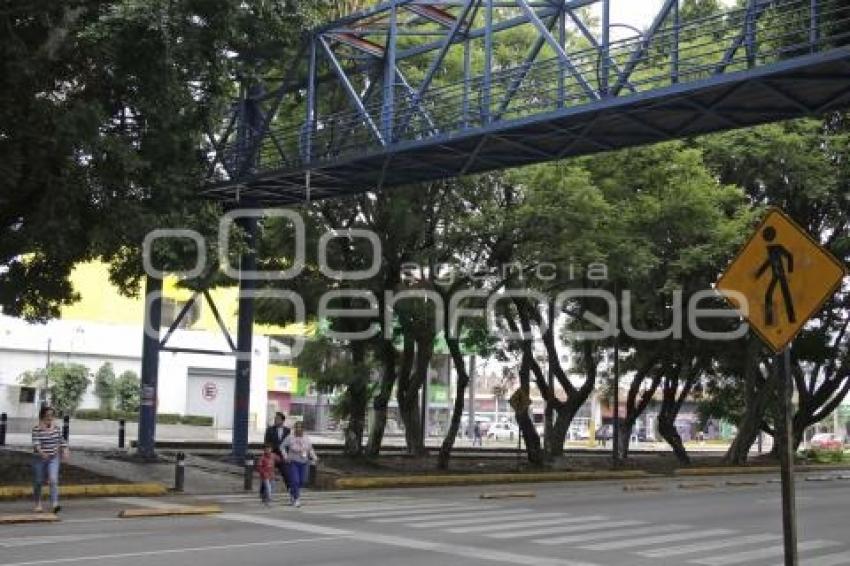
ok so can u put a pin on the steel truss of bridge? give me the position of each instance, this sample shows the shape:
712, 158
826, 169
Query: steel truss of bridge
422, 90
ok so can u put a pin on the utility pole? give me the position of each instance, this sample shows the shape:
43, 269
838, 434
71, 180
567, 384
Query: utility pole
45, 399
616, 413
470, 423
548, 416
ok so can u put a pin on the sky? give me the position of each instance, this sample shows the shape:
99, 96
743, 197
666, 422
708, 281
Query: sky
638, 13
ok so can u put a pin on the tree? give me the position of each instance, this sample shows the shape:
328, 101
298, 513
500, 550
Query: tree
801, 167
100, 145
127, 392
332, 366
67, 385
104, 386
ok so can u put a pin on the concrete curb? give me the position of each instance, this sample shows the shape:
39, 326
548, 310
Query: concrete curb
740, 483
94, 490
481, 479
643, 487
748, 470
697, 485
28, 518
175, 511
508, 495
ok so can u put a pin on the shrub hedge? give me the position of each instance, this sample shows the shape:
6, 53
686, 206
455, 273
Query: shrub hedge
161, 418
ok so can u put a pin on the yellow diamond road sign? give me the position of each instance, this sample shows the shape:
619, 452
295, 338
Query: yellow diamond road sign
785, 276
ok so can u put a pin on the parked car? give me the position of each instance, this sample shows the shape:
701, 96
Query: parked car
826, 441
503, 431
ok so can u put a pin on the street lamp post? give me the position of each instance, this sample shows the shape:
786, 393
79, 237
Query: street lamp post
47, 373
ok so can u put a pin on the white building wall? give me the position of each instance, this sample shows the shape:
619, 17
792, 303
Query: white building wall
23, 347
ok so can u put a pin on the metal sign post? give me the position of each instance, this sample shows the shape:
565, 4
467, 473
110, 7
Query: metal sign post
786, 458
779, 280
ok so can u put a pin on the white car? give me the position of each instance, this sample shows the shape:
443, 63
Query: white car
503, 431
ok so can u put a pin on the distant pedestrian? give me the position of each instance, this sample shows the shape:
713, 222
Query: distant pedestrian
275, 435
49, 448
476, 434
265, 468
298, 453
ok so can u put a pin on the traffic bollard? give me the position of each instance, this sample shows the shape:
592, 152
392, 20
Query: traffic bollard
249, 473
122, 424
66, 427
180, 472
3, 420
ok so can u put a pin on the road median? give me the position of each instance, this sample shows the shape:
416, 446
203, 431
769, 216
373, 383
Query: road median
94, 490
173, 511
436, 480
755, 470
27, 518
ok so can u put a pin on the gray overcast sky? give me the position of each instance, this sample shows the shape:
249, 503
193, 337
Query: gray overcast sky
638, 13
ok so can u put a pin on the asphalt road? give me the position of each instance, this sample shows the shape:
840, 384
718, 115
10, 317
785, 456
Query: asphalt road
564, 525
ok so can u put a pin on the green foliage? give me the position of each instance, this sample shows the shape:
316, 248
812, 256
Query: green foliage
104, 109
67, 385
127, 392
820, 456
162, 418
104, 386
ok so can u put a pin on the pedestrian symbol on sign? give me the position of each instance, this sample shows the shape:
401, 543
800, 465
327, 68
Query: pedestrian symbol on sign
775, 255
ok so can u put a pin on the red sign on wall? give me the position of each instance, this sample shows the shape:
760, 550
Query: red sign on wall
209, 391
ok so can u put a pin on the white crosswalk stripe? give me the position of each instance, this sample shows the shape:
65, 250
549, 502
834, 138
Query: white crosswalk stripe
839, 559
615, 534
512, 527
591, 524
501, 516
710, 545
489, 514
678, 543
661, 539
408, 510
326, 509
762, 553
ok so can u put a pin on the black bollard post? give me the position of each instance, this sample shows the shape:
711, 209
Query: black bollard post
3, 420
249, 473
66, 427
314, 475
122, 424
180, 472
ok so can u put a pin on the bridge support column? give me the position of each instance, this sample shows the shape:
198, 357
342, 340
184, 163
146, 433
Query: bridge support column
244, 343
150, 367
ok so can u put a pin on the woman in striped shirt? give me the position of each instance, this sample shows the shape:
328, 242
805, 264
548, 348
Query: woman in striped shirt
49, 447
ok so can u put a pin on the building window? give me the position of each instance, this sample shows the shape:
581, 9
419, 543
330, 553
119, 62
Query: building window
27, 395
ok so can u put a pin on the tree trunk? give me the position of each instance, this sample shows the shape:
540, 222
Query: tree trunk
627, 425
457, 411
357, 420
532, 440
359, 396
382, 401
667, 430
409, 411
379, 423
564, 415
749, 427
576, 398
408, 395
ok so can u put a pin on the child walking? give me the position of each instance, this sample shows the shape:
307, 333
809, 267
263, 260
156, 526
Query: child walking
266, 466
298, 452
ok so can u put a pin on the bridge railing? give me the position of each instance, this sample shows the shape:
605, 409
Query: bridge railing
673, 53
